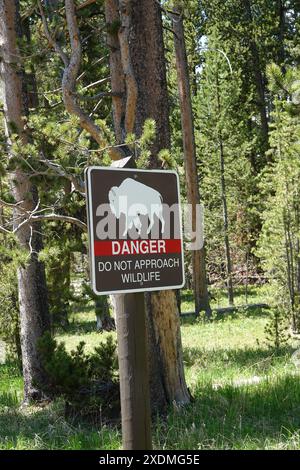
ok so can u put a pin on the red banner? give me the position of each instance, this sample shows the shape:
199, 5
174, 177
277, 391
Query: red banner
136, 247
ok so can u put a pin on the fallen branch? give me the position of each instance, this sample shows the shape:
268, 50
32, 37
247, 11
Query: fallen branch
224, 310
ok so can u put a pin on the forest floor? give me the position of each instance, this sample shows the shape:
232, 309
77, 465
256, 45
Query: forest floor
246, 395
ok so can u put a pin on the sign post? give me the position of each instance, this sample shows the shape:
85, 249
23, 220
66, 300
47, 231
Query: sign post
135, 246
134, 376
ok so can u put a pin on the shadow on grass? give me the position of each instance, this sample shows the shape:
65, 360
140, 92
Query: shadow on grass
248, 357
187, 295
82, 308
260, 416
78, 328
44, 427
191, 319
265, 415
47, 428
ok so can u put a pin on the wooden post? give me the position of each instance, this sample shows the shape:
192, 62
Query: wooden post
134, 376
133, 363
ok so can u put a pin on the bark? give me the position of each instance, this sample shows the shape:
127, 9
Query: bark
104, 322
189, 150
289, 264
144, 80
115, 64
130, 80
148, 65
34, 315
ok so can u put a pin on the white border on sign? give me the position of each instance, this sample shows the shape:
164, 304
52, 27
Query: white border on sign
91, 229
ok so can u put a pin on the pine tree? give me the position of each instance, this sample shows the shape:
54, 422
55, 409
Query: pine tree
222, 143
279, 242
34, 314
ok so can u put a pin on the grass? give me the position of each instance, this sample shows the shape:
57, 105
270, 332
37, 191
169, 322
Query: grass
245, 396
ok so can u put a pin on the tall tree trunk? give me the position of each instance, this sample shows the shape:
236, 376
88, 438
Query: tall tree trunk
115, 63
149, 68
225, 223
189, 149
258, 78
289, 268
142, 58
224, 202
34, 315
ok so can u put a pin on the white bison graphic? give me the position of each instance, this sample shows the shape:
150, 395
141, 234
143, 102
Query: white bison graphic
133, 199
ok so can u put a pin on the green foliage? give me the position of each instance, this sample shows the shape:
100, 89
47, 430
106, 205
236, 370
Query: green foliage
104, 362
167, 159
245, 397
9, 311
101, 305
85, 381
261, 172
221, 136
57, 259
142, 147
276, 330
279, 241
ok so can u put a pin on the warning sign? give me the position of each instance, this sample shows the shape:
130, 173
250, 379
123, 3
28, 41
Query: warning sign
135, 232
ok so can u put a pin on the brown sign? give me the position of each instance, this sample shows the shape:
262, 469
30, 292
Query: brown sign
135, 230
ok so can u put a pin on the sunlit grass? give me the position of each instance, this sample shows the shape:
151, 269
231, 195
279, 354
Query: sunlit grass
245, 395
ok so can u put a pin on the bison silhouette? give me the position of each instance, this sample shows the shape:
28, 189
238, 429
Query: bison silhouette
133, 199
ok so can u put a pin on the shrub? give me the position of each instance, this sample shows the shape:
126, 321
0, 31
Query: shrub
276, 329
88, 382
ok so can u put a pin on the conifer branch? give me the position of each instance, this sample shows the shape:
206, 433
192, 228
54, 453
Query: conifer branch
53, 43
45, 217
70, 76
59, 170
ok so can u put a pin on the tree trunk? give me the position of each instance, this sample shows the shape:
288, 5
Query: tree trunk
149, 68
225, 225
142, 56
115, 63
224, 202
189, 150
104, 322
34, 315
